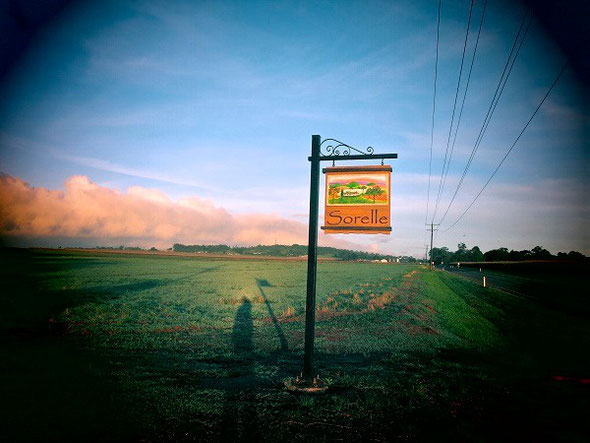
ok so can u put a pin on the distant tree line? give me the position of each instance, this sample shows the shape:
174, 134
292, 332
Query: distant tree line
270, 250
120, 248
462, 254
124, 248
294, 250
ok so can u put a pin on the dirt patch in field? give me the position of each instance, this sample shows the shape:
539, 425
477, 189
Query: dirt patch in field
380, 301
332, 335
289, 319
369, 297
189, 328
418, 329
327, 315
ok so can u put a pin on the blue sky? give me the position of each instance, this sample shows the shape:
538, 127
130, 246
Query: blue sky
219, 100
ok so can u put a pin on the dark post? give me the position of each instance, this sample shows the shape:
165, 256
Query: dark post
431, 229
335, 150
312, 254
431, 238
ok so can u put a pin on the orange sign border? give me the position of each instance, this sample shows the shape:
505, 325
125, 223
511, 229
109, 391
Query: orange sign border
354, 209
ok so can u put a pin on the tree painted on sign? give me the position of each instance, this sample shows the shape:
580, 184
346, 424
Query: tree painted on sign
333, 193
374, 192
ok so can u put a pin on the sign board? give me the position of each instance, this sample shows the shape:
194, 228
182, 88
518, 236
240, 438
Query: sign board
358, 200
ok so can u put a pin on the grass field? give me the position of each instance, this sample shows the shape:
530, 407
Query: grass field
149, 348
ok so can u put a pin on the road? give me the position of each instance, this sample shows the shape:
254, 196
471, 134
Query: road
556, 289
522, 285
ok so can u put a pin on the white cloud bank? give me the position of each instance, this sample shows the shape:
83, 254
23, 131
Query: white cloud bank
87, 212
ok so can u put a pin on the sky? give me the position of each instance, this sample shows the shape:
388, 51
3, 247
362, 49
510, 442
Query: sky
147, 123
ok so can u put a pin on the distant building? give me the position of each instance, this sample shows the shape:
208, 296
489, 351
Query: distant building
353, 192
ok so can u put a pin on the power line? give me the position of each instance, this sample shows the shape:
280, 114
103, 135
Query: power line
444, 166
511, 148
492, 107
509, 71
469, 76
433, 109
464, 97
512, 56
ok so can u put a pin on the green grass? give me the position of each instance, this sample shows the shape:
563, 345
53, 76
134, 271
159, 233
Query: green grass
132, 347
352, 200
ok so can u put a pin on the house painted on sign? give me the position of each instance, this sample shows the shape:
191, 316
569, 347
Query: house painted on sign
353, 192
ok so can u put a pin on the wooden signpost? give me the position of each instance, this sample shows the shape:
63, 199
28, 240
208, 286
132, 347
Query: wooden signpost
361, 206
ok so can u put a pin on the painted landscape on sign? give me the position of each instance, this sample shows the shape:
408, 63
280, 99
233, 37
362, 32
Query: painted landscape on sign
355, 189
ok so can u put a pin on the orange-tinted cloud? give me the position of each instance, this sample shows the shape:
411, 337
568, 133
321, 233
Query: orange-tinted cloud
140, 216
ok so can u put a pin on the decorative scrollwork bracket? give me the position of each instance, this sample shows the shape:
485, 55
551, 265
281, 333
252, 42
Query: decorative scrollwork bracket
335, 148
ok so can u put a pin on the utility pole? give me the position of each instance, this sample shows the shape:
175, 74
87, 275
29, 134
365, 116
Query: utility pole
432, 228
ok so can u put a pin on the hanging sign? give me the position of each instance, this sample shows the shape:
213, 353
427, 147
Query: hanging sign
358, 200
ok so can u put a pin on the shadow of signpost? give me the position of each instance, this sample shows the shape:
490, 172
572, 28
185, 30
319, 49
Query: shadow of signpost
265, 284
